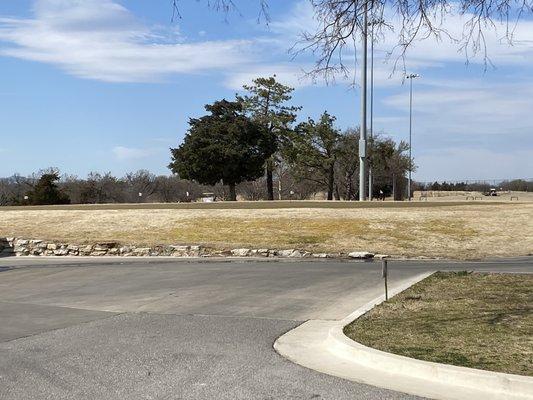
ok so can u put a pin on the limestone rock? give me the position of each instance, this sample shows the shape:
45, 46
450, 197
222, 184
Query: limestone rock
61, 252
262, 252
296, 254
381, 256
142, 251
105, 245
320, 255
285, 253
181, 249
240, 252
125, 250
360, 254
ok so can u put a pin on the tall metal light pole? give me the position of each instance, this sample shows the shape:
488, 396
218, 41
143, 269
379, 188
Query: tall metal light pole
370, 177
362, 139
410, 77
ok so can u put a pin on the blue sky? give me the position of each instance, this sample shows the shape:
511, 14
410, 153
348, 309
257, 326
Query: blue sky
109, 85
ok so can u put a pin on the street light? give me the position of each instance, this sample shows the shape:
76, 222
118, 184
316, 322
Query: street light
410, 77
362, 137
370, 177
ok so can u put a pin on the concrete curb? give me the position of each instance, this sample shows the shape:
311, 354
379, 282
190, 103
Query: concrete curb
322, 346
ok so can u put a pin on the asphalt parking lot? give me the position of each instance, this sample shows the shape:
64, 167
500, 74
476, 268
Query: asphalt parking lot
180, 329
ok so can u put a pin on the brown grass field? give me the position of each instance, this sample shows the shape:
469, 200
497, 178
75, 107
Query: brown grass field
457, 230
473, 320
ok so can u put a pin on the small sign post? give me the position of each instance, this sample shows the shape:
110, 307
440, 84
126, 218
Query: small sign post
384, 275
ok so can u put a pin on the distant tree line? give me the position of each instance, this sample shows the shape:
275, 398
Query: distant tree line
50, 187
518, 185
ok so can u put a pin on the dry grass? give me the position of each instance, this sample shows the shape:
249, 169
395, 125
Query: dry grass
458, 231
474, 320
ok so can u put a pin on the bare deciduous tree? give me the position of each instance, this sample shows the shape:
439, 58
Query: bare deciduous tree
339, 26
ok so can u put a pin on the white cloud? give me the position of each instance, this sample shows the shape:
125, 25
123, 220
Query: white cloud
103, 40
131, 153
426, 53
448, 49
299, 20
100, 39
470, 108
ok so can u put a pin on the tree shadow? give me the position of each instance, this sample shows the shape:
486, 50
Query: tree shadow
6, 248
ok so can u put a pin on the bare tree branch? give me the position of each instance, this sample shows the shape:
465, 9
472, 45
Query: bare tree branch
339, 26
225, 7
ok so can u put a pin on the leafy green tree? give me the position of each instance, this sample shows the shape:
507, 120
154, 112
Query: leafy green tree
266, 104
46, 191
224, 146
313, 151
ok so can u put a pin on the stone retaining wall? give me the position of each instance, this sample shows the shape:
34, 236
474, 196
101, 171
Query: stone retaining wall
32, 247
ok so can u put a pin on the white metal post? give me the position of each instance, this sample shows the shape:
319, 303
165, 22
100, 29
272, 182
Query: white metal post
362, 140
410, 135
370, 177
410, 77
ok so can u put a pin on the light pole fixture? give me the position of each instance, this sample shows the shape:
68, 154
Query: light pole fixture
410, 77
362, 137
370, 177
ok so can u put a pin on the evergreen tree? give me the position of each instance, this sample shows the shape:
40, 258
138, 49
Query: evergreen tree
46, 191
224, 146
265, 103
313, 151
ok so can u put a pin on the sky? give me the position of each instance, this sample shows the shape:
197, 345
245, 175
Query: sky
109, 85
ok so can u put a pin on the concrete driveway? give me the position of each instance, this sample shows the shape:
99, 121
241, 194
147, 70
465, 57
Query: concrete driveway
179, 329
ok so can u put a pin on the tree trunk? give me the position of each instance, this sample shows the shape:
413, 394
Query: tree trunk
348, 183
232, 192
270, 178
331, 182
394, 186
